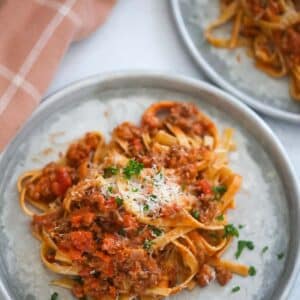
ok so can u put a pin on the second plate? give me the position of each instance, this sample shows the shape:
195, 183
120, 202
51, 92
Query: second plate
234, 71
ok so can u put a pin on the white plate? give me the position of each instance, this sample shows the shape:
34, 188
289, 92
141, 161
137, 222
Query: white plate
267, 204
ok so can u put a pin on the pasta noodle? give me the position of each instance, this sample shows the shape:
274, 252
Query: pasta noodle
140, 217
270, 30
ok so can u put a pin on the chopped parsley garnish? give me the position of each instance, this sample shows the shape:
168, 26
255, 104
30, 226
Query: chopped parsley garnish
135, 190
110, 189
147, 245
122, 232
156, 231
252, 271
195, 214
280, 255
110, 171
235, 289
133, 168
119, 200
241, 226
146, 207
242, 245
153, 197
264, 249
230, 230
220, 218
219, 191
54, 296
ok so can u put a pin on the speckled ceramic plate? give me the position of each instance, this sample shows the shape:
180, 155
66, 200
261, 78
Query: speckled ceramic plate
232, 70
267, 204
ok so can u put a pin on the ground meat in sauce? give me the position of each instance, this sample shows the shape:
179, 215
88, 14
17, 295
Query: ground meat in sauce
183, 160
289, 43
108, 261
183, 115
178, 157
207, 205
207, 211
170, 210
138, 268
53, 183
83, 149
186, 117
223, 276
133, 135
47, 221
261, 9
205, 275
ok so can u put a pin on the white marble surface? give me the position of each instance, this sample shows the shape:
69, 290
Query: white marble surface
141, 35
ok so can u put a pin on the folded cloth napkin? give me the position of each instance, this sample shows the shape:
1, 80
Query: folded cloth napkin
35, 34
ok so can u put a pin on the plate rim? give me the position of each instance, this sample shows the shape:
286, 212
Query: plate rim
219, 80
292, 263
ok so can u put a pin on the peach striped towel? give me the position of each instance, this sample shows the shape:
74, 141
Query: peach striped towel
35, 34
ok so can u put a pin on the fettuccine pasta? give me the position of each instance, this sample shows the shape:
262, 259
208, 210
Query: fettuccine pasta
140, 217
269, 29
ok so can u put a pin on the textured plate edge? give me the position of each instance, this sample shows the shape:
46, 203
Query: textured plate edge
280, 158
222, 83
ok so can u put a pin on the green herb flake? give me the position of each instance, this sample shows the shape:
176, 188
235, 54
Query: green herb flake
133, 168
119, 200
156, 231
280, 255
241, 226
219, 191
54, 296
135, 190
195, 214
110, 171
147, 245
146, 207
230, 230
110, 189
242, 245
235, 289
153, 197
252, 271
220, 218
264, 249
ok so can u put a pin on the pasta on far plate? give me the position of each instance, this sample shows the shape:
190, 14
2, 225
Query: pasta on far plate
269, 30
142, 216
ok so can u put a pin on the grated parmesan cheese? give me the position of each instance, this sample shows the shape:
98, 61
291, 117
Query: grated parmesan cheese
149, 193
208, 141
146, 194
